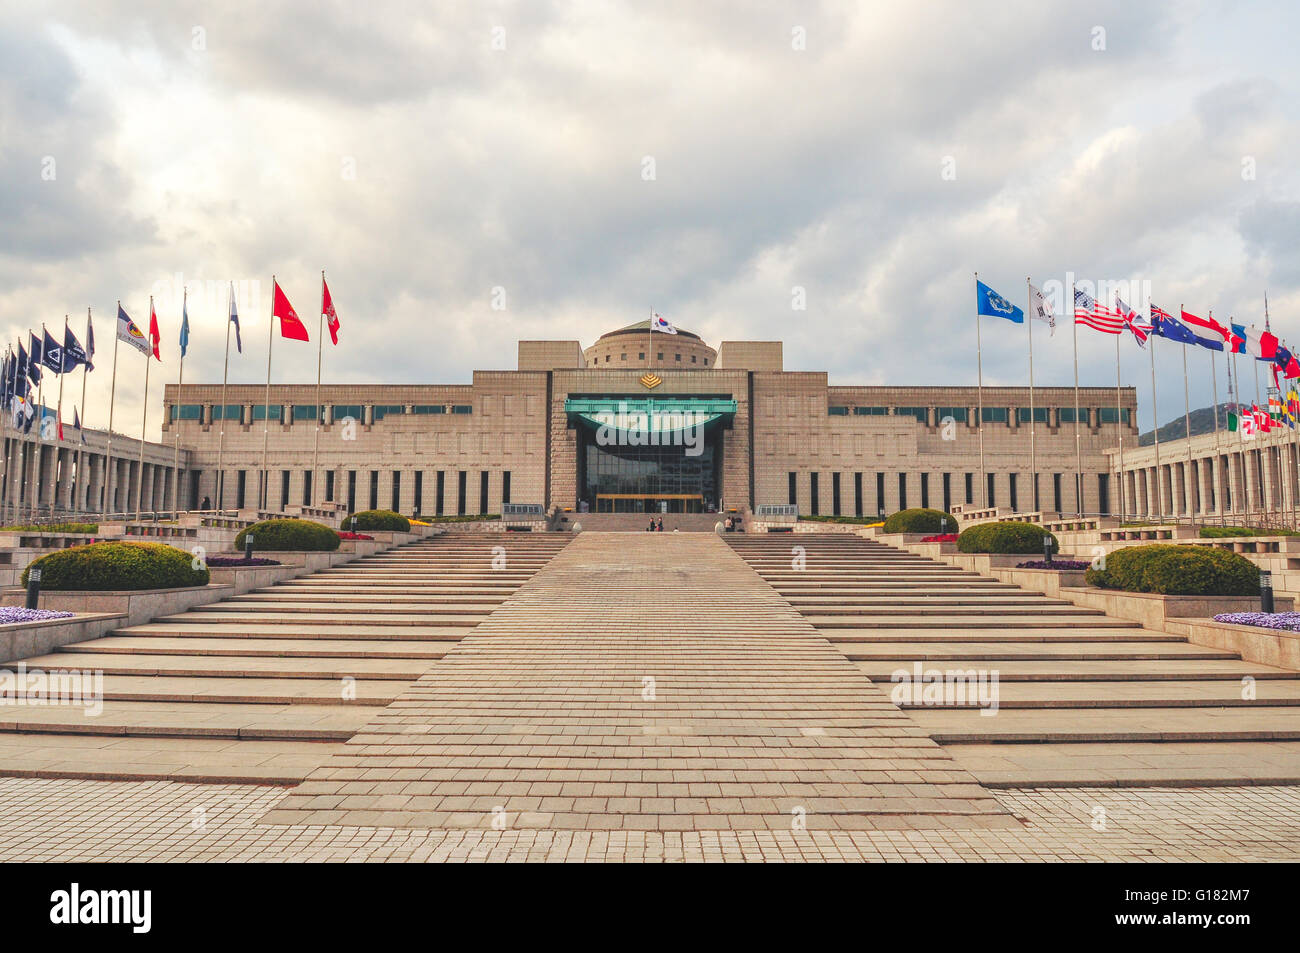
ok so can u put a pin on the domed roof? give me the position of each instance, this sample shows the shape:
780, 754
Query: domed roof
643, 327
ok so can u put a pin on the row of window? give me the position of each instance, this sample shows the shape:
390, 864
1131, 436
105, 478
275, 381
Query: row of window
991, 415
238, 492
1061, 498
641, 357
309, 411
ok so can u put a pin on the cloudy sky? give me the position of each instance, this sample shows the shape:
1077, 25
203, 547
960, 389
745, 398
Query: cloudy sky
596, 159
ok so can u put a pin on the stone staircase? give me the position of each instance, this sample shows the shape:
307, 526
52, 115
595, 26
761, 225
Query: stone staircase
1083, 699
262, 687
637, 522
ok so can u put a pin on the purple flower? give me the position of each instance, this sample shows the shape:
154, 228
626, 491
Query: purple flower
1055, 564
1265, 620
12, 614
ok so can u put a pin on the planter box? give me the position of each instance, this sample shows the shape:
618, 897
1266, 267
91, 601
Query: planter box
242, 579
26, 639
1154, 610
136, 606
1253, 643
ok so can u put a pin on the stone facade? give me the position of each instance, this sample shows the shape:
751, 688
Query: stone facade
507, 437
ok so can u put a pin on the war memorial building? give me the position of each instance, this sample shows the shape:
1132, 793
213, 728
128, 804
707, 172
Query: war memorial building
640, 422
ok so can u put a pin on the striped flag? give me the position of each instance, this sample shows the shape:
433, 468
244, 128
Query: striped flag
1095, 315
1215, 334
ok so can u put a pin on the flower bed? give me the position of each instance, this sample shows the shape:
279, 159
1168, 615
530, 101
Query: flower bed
349, 535
11, 614
234, 562
1058, 564
1264, 620
941, 538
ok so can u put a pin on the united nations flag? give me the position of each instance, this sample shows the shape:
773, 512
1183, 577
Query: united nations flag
989, 302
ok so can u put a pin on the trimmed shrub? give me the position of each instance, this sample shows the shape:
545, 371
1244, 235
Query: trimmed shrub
921, 521
278, 536
87, 528
1005, 538
1221, 532
383, 520
118, 565
1177, 570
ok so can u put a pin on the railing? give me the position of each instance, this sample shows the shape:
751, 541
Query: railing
776, 513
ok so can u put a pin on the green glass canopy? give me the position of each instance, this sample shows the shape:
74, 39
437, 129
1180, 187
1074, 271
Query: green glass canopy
650, 414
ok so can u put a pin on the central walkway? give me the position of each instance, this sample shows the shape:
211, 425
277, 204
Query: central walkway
643, 682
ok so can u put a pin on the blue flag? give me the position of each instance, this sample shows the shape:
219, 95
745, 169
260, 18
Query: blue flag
34, 361
234, 319
73, 353
1167, 326
185, 328
51, 353
989, 302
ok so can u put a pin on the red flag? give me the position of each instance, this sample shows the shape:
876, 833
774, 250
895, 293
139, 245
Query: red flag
1208, 323
154, 336
291, 325
58, 416
1292, 369
327, 308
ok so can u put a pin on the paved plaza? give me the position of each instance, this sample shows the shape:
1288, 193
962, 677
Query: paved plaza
648, 697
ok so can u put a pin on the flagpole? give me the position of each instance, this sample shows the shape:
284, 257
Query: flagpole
221, 434
320, 350
35, 481
1119, 421
58, 420
1155, 422
8, 416
17, 444
1078, 445
176, 437
106, 509
266, 407
1246, 491
1187, 422
144, 419
1259, 466
1033, 459
1214, 472
81, 482
979, 393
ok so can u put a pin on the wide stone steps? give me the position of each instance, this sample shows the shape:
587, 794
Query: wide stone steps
1082, 699
302, 664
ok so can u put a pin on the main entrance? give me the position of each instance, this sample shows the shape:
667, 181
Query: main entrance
638, 455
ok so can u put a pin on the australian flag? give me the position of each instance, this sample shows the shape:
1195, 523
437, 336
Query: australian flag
1166, 325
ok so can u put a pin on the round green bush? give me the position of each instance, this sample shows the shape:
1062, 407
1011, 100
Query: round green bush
102, 566
1005, 538
920, 521
383, 520
1177, 570
279, 536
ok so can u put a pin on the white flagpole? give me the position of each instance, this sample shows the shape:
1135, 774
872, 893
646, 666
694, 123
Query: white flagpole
176, 436
144, 419
58, 421
1214, 383
1155, 418
1187, 423
979, 393
82, 483
265, 502
8, 416
221, 433
107, 507
1078, 445
34, 484
320, 350
1033, 459
1119, 422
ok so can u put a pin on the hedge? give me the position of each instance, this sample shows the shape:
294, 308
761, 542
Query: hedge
1177, 570
921, 521
384, 520
1005, 538
118, 565
277, 536
86, 528
1221, 532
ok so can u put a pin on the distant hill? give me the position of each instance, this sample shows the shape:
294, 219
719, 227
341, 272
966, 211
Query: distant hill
1176, 429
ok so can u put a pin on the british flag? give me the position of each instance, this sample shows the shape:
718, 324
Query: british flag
1133, 321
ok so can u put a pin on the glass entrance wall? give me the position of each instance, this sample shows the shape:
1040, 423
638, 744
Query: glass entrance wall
651, 479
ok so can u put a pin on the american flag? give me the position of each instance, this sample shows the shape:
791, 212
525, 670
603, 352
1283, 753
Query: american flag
1095, 315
